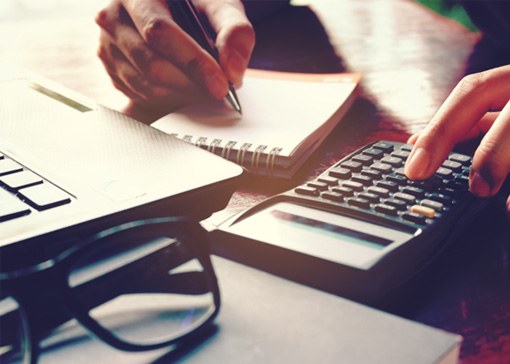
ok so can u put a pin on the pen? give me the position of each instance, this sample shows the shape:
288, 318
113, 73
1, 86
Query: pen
186, 15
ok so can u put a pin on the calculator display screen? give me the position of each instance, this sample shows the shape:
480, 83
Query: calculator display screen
322, 234
332, 229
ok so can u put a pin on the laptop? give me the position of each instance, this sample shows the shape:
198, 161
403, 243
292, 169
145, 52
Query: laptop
70, 167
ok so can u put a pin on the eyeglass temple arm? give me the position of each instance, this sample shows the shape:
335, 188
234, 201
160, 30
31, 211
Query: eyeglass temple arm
150, 274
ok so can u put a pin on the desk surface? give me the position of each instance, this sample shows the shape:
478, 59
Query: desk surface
410, 59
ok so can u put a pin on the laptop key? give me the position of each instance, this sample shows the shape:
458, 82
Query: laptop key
44, 196
11, 207
15, 181
9, 166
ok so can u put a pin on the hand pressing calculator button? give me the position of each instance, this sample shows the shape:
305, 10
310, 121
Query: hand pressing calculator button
360, 229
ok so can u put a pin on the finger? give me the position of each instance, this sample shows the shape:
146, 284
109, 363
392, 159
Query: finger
491, 161
483, 125
474, 96
412, 139
128, 80
162, 34
235, 36
155, 68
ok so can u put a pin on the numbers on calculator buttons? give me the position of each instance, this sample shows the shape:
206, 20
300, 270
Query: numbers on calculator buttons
373, 152
330, 181
382, 167
332, 196
353, 166
461, 158
321, 186
386, 209
341, 173
363, 159
307, 190
392, 161
423, 210
359, 202
374, 180
361, 178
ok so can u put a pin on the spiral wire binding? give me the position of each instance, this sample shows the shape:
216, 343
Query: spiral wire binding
215, 145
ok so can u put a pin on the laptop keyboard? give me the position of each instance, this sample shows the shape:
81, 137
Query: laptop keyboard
23, 192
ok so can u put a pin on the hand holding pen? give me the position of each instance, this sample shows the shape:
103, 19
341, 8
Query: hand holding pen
155, 62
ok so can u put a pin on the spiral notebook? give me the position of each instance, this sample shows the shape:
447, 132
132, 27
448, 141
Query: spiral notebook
285, 118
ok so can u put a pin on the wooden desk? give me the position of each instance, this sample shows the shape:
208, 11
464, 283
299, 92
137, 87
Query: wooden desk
410, 59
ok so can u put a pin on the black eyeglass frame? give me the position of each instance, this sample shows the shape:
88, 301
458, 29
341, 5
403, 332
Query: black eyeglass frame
180, 228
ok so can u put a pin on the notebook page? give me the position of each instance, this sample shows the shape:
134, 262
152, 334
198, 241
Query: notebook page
279, 110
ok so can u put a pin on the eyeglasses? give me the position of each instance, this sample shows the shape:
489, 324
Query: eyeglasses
142, 285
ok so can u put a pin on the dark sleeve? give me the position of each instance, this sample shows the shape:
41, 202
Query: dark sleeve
492, 17
258, 10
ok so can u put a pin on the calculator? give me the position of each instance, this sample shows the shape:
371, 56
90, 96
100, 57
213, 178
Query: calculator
361, 229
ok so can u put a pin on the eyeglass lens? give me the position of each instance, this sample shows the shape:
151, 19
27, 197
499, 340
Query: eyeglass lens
144, 292
14, 340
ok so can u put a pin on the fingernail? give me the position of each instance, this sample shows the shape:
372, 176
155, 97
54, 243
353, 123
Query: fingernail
417, 164
217, 86
478, 185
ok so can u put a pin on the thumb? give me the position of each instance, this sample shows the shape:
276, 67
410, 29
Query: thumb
235, 35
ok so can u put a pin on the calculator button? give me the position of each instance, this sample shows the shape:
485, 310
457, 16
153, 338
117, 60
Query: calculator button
372, 197
432, 183
331, 181
363, 159
358, 202
401, 154
365, 180
44, 196
444, 172
376, 153
450, 192
393, 161
456, 185
415, 191
353, 166
307, 190
342, 173
400, 172
346, 191
414, 217
356, 186
321, 186
379, 191
333, 196
407, 147
9, 166
423, 210
464, 159
439, 197
399, 204
438, 206
388, 185
462, 179
385, 147
372, 173
453, 165
386, 209
410, 199
382, 167
397, 178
